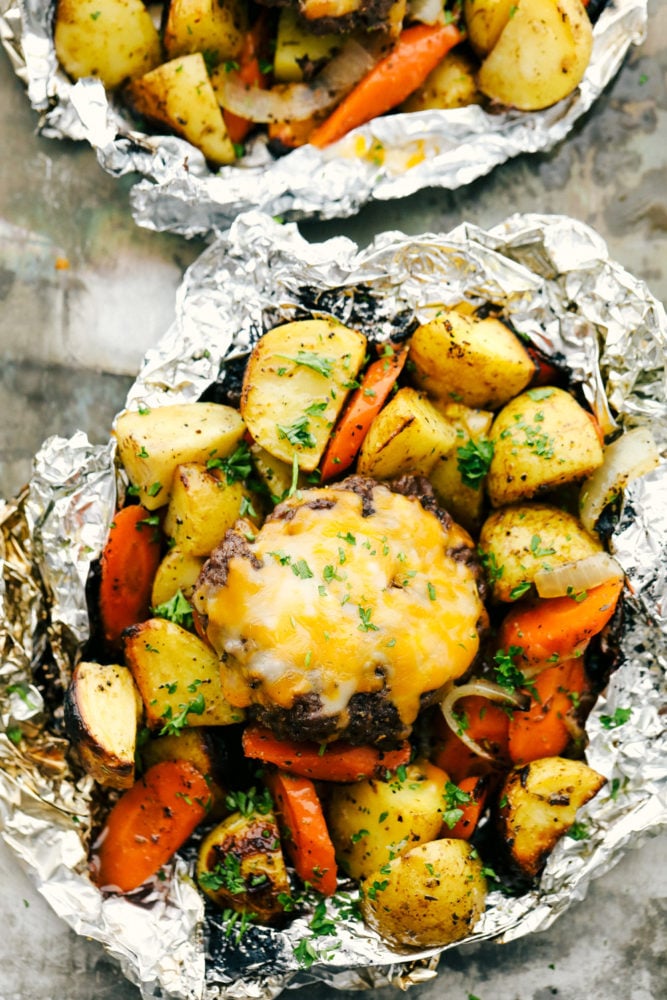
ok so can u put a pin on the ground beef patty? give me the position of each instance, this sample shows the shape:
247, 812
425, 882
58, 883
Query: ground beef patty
347, 614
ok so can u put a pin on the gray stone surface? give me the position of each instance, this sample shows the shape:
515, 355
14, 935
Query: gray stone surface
71, 339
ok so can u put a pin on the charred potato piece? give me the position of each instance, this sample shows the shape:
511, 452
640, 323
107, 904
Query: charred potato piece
202, 506
214, 27
541, 440
462, 500
477, 362
371, 821
102, 712
298, 49
540, 56
153, 443
177, 571
295, 386
114, 40
407, 436
180, 95
540, 803
520, 540
428, 897
276, 475
241, 865
178, 677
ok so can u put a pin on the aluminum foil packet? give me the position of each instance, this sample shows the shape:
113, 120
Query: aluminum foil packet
552, 279
390, 157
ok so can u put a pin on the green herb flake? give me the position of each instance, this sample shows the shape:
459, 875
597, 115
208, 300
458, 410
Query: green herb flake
178, 610
619, 718
473, 461
309, 359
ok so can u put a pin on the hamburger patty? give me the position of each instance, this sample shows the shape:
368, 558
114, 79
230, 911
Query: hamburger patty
347, 614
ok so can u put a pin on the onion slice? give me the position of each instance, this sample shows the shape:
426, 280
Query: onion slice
632, 455
427, 11
577, 576
293, 102
487, 689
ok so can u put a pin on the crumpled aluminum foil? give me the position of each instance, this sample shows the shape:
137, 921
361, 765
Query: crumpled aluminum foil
391, 157
553, 280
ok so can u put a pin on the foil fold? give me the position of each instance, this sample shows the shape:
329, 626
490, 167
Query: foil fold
391, 157
553, 280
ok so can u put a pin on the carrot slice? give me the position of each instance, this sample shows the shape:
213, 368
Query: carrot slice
544, 631
477, 788
365, 403
250, 72
128, 564
543, 730
304, 829
418, 51
149, 823
337, 761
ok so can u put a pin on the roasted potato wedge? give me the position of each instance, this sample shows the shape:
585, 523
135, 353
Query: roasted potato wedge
177, 571
371, 822
241, 865
539, 805
477, 362
212, 27
408, 435
153, 443
202, 506
540, 56
464, 502
520, 540
180, 95
452, 84
102, 713
428, 897
541, 440
295, 386
178, 677
114, 40
298, 49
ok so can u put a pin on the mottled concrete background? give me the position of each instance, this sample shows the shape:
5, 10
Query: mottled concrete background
71, 341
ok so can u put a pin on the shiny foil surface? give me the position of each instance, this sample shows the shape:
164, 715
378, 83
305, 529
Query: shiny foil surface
390, 157
552, 279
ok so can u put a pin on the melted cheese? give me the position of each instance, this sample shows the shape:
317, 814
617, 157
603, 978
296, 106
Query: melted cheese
345, 603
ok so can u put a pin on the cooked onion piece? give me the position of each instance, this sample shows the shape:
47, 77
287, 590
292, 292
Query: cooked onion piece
630, 456
577, 576
487, 689
295, 101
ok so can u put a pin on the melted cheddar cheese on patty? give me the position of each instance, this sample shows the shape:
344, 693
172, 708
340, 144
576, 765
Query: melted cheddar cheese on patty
331, 600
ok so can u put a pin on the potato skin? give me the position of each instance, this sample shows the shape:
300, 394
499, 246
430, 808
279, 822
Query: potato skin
542, 439
519, 540
429, 897
540, 802
372, 821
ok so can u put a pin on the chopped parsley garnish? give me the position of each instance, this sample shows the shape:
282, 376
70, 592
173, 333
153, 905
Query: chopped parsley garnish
508, 674
578, 831
177, 610
473, 460
366, 623
236, 467
619, 718
174, 723
309, 359
297, 433
454, 797
225, 875
253, 800
301, 569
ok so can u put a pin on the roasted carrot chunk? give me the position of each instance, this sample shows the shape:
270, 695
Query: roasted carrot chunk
128, 564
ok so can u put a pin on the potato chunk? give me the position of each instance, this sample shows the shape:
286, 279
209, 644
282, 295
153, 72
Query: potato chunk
102, 713
153, 443
463, 496
213, 27
178, 677
478, 362
408, 436
180, 95
203, 505
540, 56
541, 801
542, 439
520, 540
295, 386
114, 40
430, 896
371, 822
